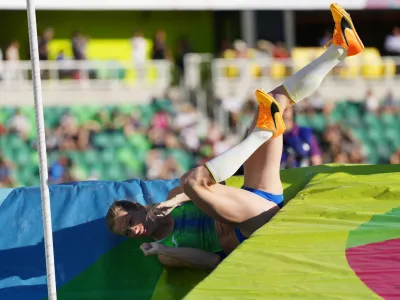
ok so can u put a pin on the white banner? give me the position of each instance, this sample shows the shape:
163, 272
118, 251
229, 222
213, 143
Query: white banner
182, 4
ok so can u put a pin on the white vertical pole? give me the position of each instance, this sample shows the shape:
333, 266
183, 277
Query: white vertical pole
289, 26
249, 30
44, 188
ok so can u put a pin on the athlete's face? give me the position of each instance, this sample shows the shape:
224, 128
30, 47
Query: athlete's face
133, 224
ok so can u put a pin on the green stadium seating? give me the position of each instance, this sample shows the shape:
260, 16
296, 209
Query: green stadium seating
318, 122
302, 120
371, 120
183, 158
139, 142
118, 157
131, 159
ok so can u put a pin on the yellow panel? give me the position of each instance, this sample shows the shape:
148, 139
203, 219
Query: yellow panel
55, 46
372, 66
109, 50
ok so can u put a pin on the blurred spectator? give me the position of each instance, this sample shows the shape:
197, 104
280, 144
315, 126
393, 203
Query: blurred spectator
226, 48
139, 49
3, 129
19, 124
160, 120
171, 141
154, 164
341, 146
62, 73
241, 49
12, 56
157, 137
300, 146
1, 64
117, 121
5, 178
139, 53
160, 50
133, 124
392, 42
325, 38
389, 104
52, 140
264, 49
183, 48
371, 102
186, 122
341, 158
78, 46
44, 40
59, 171
60, 56
170, 169
280, 51
71, 136
12, 52
395, 158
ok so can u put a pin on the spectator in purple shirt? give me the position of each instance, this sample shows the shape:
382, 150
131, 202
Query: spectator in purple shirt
300, 146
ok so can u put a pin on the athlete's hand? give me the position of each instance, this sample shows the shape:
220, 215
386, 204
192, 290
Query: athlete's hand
150, 249
161, 210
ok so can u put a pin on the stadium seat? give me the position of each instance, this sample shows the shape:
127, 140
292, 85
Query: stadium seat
101, 140
375, 134
389, 120
371, 120
182, 157
278, 70
139, 142
127, 109
107, 156
84, 113
317, 122
91, 157
131, 159
302, 120
372, 67
389, 67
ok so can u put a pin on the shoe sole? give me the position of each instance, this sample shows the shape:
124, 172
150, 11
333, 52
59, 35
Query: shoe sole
262, 100
346, 15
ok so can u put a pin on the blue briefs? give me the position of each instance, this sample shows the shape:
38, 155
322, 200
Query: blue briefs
277, 199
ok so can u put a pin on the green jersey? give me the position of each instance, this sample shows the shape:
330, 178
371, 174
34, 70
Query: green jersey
192, 229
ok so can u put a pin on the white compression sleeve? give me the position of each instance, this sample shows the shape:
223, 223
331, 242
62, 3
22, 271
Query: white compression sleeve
307, 80
226, 164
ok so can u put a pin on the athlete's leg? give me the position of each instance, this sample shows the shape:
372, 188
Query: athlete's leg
231, 205
302, 84
262, 169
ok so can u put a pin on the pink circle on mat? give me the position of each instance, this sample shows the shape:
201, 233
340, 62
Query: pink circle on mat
378, 266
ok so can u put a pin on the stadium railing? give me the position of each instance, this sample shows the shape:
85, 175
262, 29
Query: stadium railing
100, 81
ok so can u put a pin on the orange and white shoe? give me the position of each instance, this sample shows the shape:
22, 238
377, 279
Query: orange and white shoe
269, 114
344, 34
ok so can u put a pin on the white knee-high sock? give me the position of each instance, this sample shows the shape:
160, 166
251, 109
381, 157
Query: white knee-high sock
299, 86
306, 81
226, 164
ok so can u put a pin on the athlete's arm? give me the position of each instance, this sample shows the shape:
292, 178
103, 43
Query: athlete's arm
177, 196
188, 257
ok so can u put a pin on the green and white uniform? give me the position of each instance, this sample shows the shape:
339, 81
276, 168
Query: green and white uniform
193, 229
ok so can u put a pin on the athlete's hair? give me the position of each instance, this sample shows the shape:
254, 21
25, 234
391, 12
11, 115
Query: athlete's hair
120, 206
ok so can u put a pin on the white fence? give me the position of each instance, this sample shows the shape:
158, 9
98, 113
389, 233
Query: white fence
105, 82
83, 81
